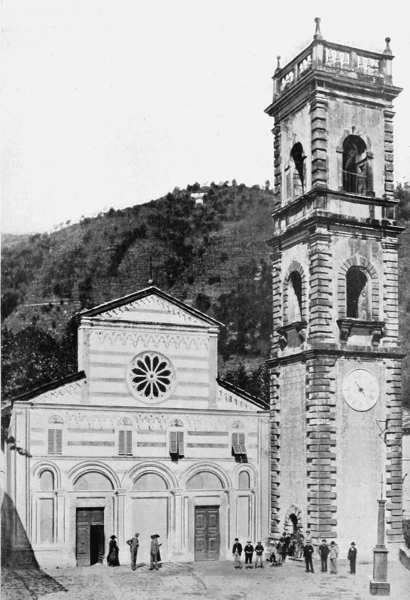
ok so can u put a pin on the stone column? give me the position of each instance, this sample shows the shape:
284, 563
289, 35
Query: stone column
379, 585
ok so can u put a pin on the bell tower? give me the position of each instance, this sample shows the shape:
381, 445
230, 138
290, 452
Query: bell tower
335, 359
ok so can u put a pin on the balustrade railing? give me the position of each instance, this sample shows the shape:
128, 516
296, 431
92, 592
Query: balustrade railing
355, 183
334, 58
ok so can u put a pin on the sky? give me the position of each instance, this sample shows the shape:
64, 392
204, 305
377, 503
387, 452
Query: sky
111, 103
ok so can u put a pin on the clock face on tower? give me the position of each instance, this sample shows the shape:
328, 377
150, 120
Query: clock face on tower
360, 389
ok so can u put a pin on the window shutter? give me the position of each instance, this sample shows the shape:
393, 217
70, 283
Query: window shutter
180, 438
236, 444
173, 443
241, 442
58, 441
55, 441
129, 442
51, 441
121, 442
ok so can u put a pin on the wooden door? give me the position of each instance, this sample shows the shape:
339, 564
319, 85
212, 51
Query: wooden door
90, 542
206, 532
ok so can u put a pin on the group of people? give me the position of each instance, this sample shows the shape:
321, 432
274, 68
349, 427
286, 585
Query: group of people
296, 547
248, 550
133, 543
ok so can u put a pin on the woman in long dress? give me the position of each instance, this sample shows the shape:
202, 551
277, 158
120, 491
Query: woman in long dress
112, 556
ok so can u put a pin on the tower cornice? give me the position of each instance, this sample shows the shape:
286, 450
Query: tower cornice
327, 350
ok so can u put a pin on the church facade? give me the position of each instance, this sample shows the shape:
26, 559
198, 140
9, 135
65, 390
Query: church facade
336, 357
144, 438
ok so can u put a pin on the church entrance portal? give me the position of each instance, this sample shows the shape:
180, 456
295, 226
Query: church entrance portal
207, 533
90, 541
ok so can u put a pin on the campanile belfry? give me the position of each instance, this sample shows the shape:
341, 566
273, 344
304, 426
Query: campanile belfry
335, 358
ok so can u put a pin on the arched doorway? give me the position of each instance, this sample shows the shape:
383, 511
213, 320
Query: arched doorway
294, 523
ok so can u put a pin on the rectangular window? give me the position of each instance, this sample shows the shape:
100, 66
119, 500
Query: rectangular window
125, 443
238, 447
176, 444
55, 441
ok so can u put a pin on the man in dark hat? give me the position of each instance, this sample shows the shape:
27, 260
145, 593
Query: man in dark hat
154, 552
351, 556
259, 550
324, 553
237, 551
248, 549
134, 543
308, 556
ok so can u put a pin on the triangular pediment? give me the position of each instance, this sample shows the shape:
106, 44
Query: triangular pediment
151, 306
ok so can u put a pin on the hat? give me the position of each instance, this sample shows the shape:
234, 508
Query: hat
332, 543
113, 537
324, 541
236, 540
353, 544
249, 542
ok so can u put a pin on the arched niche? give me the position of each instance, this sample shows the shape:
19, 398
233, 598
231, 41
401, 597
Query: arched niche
244, 480
93, 481
150, 482
47, 483
204, 480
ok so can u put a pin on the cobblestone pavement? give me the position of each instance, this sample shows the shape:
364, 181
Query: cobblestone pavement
195, 581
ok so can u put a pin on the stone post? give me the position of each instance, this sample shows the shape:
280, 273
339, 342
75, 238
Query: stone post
379, 585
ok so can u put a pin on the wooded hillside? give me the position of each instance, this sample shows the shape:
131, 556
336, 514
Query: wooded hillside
212, 255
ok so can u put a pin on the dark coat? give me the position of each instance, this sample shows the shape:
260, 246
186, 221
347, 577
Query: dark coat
259, 549
351, 555
237, 547
308, 550
249, 549
324, 550
112, 556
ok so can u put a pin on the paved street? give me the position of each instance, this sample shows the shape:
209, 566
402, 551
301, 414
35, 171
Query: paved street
210, 581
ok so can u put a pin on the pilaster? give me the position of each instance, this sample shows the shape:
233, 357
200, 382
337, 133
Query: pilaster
320, 289
390, 291
321, 447
275, 450
277, 160
393, 440
319, 135
388, 154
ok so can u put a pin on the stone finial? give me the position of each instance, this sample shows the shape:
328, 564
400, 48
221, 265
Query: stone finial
277, 63
318, 34
387, 49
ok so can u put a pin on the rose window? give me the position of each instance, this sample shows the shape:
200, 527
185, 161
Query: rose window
151, 376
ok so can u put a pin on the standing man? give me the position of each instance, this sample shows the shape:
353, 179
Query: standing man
248, 555
333, 554
259, 550
308, 556
134, 543
237, 551
351, 556
324, 553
